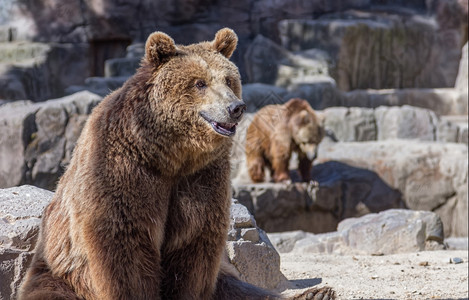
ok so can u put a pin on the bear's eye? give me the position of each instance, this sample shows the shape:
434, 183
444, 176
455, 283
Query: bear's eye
228, 82
200, 84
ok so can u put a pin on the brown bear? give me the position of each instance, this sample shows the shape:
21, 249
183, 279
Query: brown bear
278, 130
142, 211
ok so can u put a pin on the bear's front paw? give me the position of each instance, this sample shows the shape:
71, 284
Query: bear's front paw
283, 178
324, 293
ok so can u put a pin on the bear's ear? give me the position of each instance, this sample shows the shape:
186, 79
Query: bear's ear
225, 42
159, 48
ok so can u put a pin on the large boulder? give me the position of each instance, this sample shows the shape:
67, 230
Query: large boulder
251, 252
431, 176
36, 140
388, 232
20, 217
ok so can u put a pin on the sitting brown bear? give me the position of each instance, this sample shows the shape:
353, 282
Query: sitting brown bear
278, 130
142, 211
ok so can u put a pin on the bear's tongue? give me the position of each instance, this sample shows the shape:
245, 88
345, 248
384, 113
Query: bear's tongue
225, 128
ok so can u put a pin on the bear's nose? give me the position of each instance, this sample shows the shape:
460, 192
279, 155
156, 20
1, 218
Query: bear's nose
236, 109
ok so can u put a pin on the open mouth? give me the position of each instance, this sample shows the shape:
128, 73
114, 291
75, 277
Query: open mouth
226, 129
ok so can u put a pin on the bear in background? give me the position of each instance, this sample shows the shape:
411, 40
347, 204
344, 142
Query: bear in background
278, 130
142, 211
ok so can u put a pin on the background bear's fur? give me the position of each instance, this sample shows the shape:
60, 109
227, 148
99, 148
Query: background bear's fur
278, 130
142, 211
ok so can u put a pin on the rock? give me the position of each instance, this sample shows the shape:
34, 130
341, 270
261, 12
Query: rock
21, 209
383, 123
388, 232
405, 123
20, 217
258, 95
109, 28
456, 260
303, 67
36, 70
351, 124
454, 243
261, 60
462, 78
453, 129
344, 35
430, 176
121, 67
12, 269
304, 74
101, 86
320, 93
361, 191
36, 140
285, 241
135, 50
16, 126
282, 207
443, 101
251, 252
343, 192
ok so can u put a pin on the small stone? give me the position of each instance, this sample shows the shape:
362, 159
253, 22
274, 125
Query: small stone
250, 234
424, 264
374, 277
456, 260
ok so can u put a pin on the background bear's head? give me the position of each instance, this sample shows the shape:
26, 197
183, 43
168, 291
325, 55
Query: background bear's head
195, 89
306, 127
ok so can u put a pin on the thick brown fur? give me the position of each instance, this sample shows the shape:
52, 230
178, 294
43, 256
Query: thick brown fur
142, 211
278, 130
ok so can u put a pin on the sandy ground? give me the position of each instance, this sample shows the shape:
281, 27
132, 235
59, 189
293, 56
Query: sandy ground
422, 275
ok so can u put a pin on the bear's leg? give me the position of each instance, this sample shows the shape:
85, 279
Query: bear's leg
40, 284
304, 167
256, 167
191, 272
280, 169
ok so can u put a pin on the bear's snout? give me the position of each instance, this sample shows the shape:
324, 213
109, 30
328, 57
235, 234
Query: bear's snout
236, 109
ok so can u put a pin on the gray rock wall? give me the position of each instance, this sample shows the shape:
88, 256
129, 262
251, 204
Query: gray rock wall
41, 71
36, 140
429, 33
